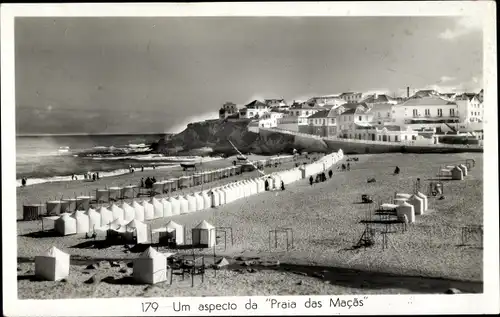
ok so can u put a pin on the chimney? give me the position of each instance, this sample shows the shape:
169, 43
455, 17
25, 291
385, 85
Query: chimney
407, 92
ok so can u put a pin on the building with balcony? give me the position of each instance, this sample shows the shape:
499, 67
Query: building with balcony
425, 112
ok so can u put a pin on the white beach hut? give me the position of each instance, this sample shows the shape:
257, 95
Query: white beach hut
82, 221
227, 194
207, 201
199, 201
167, 208
139, 211
65, 225
128, 212
177, 231
139, 229
118, 213
53, 265
94, 219
184, 206
191, 202
425, 199
157, 208
222, 196
406, 209
150, 267
149, 210
106, 216
176, 206
204, 235
402, 195
417, 203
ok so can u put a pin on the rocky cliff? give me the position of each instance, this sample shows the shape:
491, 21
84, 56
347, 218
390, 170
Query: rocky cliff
211, 137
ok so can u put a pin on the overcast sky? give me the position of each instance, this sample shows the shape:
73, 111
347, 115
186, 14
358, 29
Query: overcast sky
107, 75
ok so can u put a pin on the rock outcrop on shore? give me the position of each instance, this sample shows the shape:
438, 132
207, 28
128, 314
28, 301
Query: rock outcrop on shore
212, 137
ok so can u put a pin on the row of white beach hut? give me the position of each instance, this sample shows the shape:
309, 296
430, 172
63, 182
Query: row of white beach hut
143, 210
322, 165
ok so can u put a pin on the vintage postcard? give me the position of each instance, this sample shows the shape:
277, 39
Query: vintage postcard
249, 158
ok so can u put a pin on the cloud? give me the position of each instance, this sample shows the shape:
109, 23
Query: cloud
378, 92
463, 26
445, 79
474, 84
183, 125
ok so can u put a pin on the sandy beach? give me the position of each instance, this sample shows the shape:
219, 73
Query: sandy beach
325, 219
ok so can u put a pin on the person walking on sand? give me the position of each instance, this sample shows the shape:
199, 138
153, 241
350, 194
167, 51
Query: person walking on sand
348, 166
97, 175
94, 177
396, 170
266, 185
23, 182
142, 182
330, 173
282, 185
311, 180
142, 168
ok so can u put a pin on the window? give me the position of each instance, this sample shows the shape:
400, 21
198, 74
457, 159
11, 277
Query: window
298, 113
360, 118
333, 120
440, 112
396, 138
250, 113
323, 121
427, 112
415, 112
452, 112
307, 113
388, 115
471, 113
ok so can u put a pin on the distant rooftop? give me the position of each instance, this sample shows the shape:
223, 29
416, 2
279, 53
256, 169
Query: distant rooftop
427, 101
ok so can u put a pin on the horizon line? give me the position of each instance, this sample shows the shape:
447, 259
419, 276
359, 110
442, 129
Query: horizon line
87, 134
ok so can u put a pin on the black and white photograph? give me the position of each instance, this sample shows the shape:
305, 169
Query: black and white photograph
314, 160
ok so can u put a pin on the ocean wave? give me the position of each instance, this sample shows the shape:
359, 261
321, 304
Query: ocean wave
174, 160
102, 174
157, 157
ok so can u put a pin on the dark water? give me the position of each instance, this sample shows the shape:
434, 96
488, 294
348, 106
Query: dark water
52, 158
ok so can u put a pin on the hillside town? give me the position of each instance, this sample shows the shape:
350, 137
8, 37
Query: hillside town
426, 114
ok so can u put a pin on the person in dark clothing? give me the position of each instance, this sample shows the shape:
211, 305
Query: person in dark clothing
343, 167
266, 185
323, 175
97, 175
282, 185
142, 168
94, 176
153, 180
396, 170
142, 182
234, 163
23, 181
330, 173
311, 180
148, 183
348, 166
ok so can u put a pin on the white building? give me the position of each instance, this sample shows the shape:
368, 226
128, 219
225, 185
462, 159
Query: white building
425, 111
351, 97
469, 108
279, 104
254, 110
228, 109
382, 113
352, 118
270, 119
379, 99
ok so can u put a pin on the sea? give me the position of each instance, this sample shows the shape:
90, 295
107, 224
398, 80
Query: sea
56, 158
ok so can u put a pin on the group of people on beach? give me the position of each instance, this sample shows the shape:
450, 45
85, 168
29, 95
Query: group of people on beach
148, 183
321, 177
